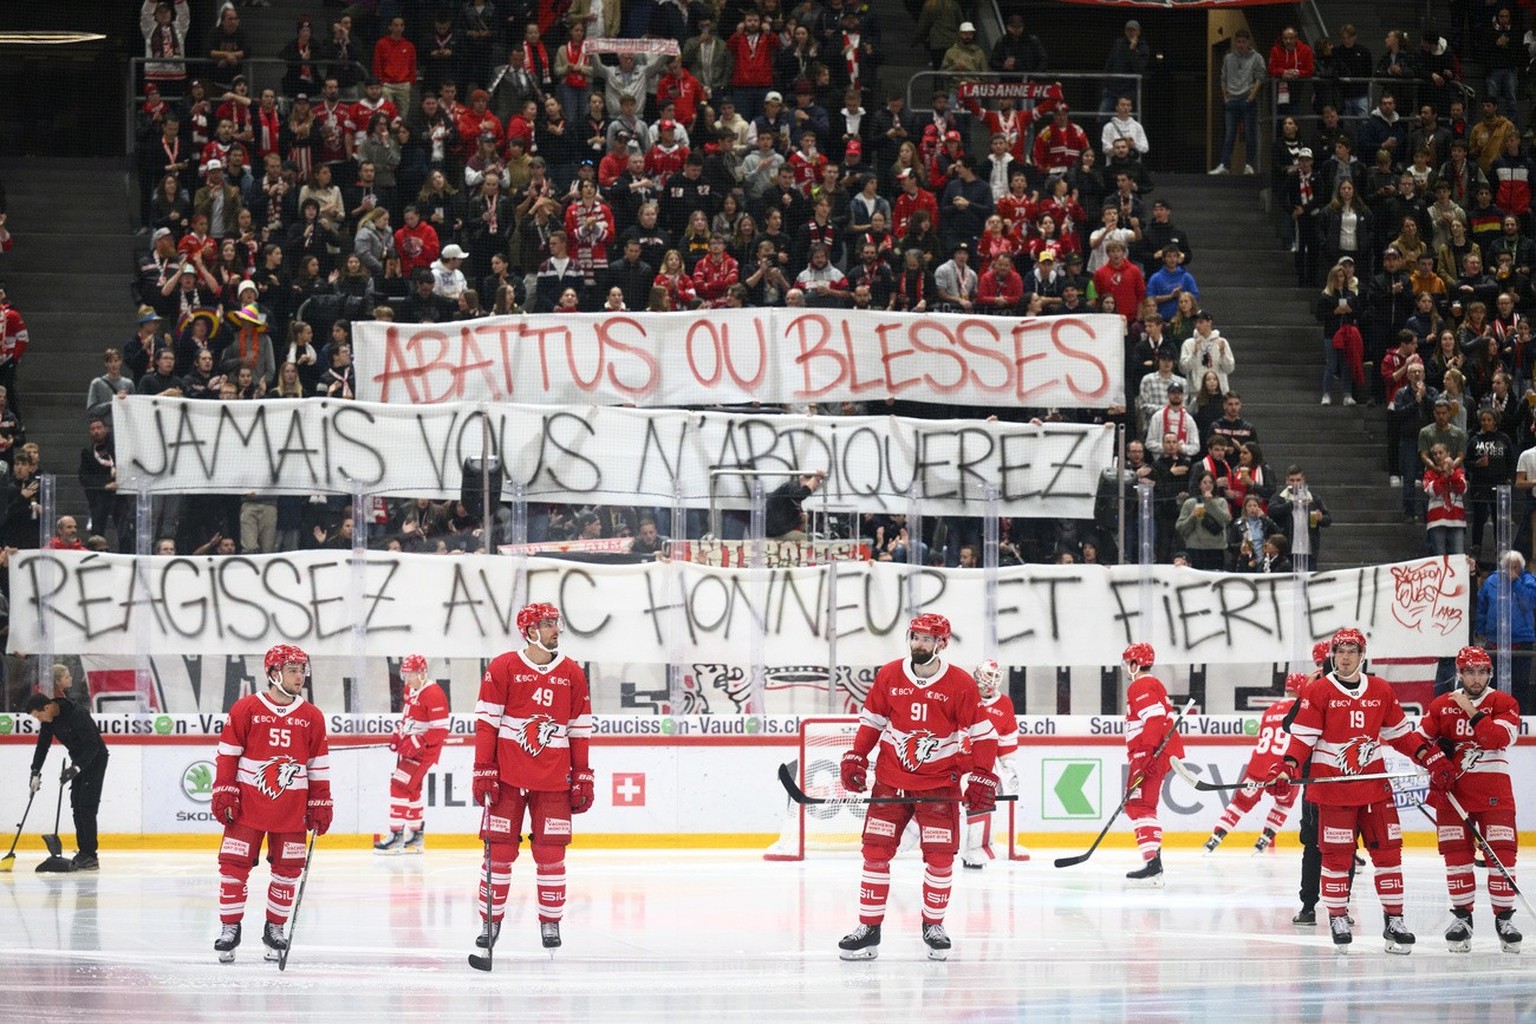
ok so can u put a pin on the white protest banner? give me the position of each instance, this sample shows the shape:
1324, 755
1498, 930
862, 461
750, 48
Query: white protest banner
679, 612
604, 455
734, 356
612, 44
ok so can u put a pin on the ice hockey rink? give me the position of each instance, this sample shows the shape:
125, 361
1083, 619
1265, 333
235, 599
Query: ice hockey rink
724, 936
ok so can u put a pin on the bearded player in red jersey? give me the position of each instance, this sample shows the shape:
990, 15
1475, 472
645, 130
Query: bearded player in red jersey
921, 711
533, 726
1272, 740
273, 780
1342, 719
1475, 726
998, 707
418, 740
1148, 719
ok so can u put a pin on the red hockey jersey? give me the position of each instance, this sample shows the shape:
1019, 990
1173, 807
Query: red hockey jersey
277, 755
1480, 751
1000, 711
424, 723
922, 727
1273, 739
1148, 717
534, 722
1344, 727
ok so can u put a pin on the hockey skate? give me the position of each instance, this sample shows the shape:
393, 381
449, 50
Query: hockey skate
224, 945
549, 934
937, 941
1342, 937
1509, 935
1399, 938
390, 844
1215, 840
1265, 841
276, 942
488, 934
974, 865
1149, 874
1459, 935
863, 943
417, 843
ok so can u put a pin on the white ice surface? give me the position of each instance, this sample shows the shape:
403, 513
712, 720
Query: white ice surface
653, 936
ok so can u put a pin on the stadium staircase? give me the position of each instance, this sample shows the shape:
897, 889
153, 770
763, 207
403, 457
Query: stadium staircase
1244, 273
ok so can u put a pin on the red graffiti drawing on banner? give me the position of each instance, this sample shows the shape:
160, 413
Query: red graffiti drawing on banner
1425, 594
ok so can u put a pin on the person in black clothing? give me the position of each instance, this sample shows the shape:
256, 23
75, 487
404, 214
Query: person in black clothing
785, 516
71, 725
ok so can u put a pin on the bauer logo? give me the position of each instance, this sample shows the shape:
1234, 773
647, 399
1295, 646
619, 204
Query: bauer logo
1071, 788
197, 781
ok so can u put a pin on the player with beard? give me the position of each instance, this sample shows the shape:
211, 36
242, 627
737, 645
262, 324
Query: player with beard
1343, 718
1476, 725
274, 780
922, 712
997, 706
533, 724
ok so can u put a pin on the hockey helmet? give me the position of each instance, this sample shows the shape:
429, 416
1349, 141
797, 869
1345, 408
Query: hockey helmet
931, 624
1472, 657
1140, 653
989, 676
1347, 635
279, 655
412, 664
531, 615
1294, 682
1319, 653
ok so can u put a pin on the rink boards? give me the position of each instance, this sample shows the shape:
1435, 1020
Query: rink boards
700, 782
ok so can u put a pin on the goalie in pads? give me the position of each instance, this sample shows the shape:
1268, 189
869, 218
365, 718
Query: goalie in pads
999, 708
921, 711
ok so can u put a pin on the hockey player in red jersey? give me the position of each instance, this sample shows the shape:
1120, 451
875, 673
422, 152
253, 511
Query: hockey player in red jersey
418, 742
1148, 719
273, 780
533, 724
998, 707
1475, 726
1341, 722
1272, 740
920, 711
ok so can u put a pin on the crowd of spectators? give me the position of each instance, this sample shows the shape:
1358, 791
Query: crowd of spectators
488, 159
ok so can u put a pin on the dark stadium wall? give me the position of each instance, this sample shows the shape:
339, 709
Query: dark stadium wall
65, 99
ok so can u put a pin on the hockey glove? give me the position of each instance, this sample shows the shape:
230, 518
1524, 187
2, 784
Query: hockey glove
1009, 776
855, 769
317, 815
394, 741
1139, 763
981, 792
410, 748
582, 783
69, 774
1442, 773
35, 783
1278, 781
226, 802
486, 788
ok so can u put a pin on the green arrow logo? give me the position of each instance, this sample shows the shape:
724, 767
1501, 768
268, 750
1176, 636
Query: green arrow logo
1069, 788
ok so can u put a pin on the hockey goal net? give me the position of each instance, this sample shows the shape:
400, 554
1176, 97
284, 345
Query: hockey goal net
837, 827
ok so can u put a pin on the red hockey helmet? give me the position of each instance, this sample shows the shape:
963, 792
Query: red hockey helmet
533, 614
1294, 682
1347, 635
279, 655
1472, 657
1319, 652
413, 663
1140, 653
931, 624
989, 676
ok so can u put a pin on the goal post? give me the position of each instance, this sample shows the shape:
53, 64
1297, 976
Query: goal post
837, 828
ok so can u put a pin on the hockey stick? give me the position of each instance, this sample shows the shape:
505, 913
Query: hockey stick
452, 741
1067, 862
293, 918
1487, 849
799, 796
478, 962
8, 862
1216, 787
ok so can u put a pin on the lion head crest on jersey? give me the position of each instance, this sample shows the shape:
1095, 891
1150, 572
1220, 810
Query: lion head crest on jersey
1356, 754
276, 774
917, 749
1470, 756
536, 733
